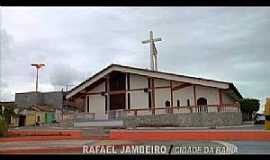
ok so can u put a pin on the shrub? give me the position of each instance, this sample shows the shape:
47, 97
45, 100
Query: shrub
3, 128
248, 106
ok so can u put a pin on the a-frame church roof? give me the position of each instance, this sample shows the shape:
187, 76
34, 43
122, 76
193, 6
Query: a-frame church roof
155, 74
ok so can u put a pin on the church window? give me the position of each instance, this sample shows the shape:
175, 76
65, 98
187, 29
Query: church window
188, 102
178, 103
167, 104
87, 104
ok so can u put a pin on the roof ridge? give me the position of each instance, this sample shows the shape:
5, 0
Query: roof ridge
163, 72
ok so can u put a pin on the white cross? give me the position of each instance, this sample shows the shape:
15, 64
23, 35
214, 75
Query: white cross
153, 51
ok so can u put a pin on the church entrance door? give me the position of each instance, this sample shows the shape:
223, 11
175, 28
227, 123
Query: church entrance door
202, 105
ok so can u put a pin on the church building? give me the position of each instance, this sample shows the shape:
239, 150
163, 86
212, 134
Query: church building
118, 91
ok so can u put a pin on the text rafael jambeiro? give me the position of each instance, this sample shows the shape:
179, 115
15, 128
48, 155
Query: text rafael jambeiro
125, 149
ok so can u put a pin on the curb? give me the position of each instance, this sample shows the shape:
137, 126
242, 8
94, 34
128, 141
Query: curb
73, 133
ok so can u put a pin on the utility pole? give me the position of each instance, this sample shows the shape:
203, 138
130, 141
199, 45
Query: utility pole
38, 66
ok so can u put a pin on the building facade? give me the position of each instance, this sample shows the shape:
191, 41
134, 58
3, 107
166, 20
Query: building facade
127, 91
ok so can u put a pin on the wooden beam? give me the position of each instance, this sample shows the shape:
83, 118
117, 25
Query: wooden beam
161, 87
153, 94
126, 89
138, 89
194, 95
220, 99
181, 86
117, 92
128, 85
92, 93
107, 88
171, 96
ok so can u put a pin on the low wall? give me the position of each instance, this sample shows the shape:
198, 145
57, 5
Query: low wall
27, 99
201, 119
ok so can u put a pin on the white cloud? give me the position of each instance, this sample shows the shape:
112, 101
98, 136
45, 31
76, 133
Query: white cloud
229, 44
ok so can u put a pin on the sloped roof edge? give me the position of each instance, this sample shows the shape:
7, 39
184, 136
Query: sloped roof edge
231, 85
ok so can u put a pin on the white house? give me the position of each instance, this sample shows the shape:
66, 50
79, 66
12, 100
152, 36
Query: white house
127, 91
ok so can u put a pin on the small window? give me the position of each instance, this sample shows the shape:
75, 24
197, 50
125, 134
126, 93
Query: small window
188, 102
167, 104
178, 103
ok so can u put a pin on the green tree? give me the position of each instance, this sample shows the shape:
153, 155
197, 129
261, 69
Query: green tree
248, 106
7, 113
5, 118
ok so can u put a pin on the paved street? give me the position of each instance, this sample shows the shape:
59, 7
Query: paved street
252, 147
243, 147
178, 147
196, 146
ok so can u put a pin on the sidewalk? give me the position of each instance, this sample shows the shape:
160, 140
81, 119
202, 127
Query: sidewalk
242, 127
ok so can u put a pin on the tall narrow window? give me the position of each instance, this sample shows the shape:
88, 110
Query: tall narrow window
178, 103
128, 81
188, 102
128, 100
167, 104
87, 104
149, 100
149, 94
106, 103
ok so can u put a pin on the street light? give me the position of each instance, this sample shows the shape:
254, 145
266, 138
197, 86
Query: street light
38, 66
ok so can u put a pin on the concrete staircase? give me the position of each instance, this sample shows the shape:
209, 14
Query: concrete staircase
95, 132
99, 123
61, 124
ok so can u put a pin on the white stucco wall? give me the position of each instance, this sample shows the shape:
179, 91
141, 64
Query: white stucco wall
137, 81
211, 94
97, 105
99, 88
97, 102
161, 82
161, 96
138, 100
183, 95
174, 83
227, 99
